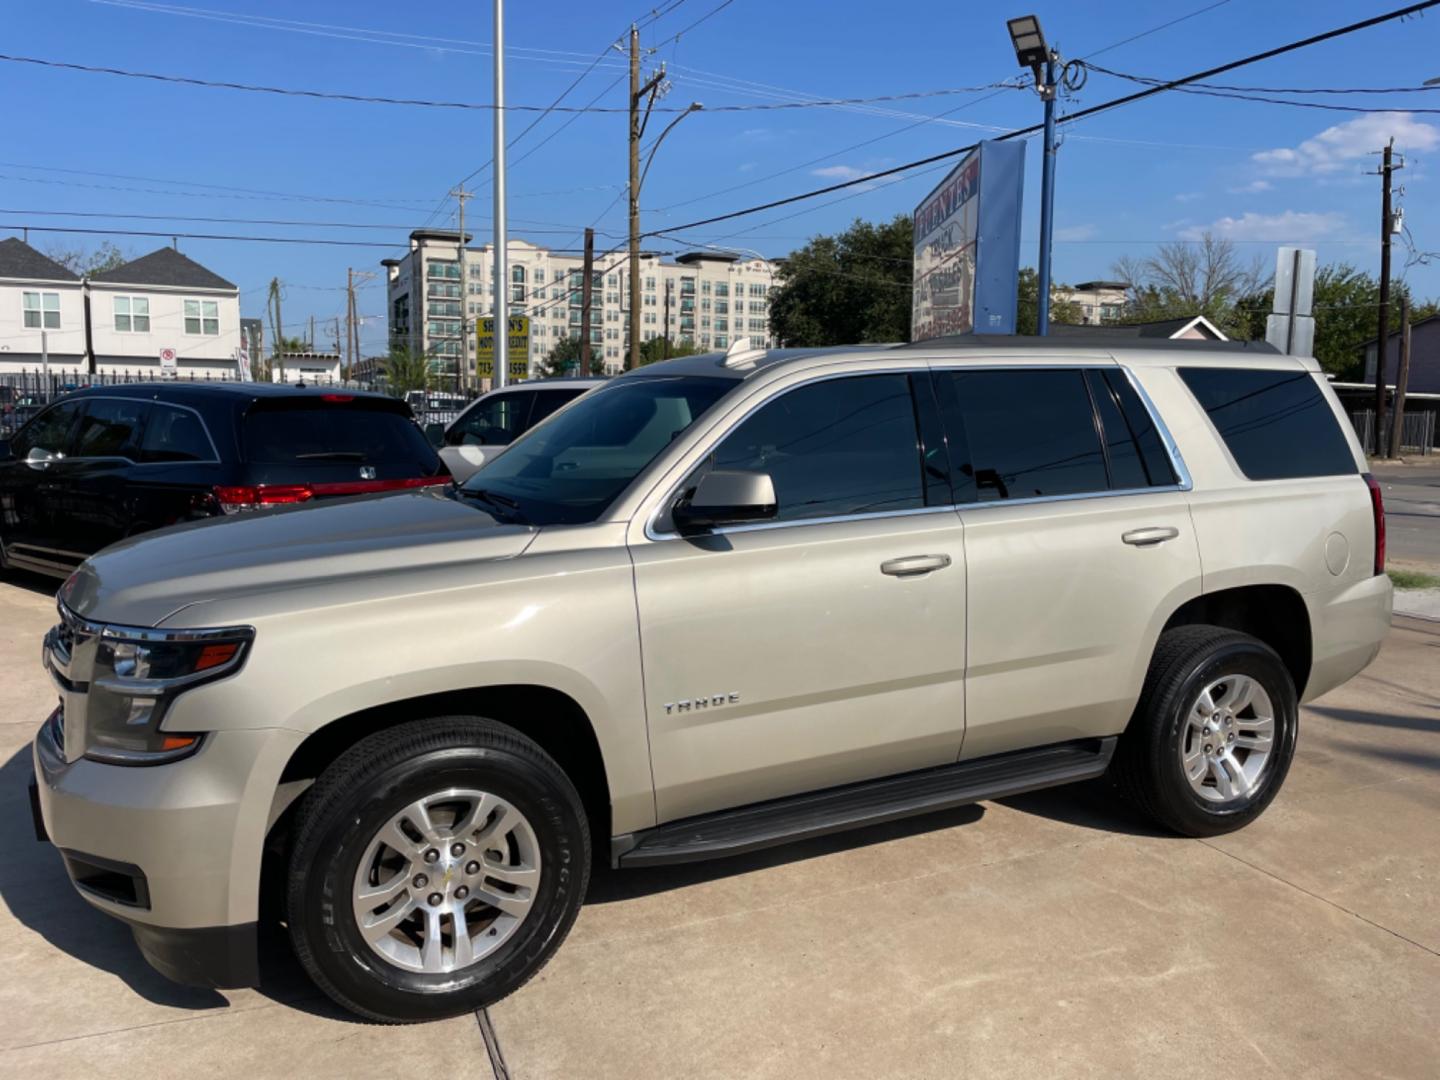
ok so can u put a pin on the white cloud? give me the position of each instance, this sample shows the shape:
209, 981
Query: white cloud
838, 172
1188, 196
748, 166
1076, 232
1289, 225
1345, 145
1251, 188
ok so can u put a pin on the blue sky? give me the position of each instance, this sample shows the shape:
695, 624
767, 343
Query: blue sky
1164, 169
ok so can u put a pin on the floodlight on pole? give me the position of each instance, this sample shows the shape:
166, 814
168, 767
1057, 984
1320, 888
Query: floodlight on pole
1029, 41
1032, 52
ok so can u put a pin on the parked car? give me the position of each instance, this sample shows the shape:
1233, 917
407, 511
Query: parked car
719, 603
107, 463
495, 420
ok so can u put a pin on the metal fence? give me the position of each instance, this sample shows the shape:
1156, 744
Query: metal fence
1417, 434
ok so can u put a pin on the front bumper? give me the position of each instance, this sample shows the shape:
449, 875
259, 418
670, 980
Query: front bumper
172, 850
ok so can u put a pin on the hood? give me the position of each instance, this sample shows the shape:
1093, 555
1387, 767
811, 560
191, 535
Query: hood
141, 581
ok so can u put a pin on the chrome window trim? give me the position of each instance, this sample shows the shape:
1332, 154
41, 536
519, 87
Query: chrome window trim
1167, 440
204, 427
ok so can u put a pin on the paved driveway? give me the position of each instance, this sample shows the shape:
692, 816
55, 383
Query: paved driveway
1049, 935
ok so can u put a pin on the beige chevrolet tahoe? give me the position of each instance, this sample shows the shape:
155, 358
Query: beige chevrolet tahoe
720, 603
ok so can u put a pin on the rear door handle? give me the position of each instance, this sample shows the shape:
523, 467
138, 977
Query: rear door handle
911, 565
1146, 537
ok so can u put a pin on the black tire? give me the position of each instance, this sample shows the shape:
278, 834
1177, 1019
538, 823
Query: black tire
355, 796
1147, 767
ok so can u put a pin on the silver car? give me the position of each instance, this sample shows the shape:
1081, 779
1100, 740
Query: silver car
716, 604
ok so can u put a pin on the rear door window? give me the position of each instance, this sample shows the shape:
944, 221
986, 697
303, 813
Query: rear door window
1021, 434
302, 430
173, 434
1277, 424
496, 421
1133, 450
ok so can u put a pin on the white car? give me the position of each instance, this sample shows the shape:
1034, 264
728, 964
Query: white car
496, 419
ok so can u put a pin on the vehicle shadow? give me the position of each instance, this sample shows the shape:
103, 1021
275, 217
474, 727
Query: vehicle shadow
37, 892
1092, 804
36, 583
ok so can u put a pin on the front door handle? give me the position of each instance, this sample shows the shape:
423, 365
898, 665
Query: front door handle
1147, 537
911, 565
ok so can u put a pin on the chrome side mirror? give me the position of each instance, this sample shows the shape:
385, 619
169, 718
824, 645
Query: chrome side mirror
39, 457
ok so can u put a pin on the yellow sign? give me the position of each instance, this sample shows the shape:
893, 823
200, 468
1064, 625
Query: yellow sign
518, 338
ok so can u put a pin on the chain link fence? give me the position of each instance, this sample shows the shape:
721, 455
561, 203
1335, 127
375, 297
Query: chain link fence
1417, 432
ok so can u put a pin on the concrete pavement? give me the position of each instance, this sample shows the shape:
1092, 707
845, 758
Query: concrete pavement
1050, 935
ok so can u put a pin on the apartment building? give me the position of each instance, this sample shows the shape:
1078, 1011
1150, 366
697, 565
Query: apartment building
1099, 301
712, 298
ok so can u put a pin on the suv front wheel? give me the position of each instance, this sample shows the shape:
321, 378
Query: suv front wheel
436, 867
1213, 734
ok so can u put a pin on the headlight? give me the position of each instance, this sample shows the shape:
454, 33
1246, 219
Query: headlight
138, 673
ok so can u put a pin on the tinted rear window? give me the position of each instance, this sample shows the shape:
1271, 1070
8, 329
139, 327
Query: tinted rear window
1277, 424
300, 431
1021, 434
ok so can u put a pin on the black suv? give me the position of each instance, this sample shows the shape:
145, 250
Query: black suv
105, 463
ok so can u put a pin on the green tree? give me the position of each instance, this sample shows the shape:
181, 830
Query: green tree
564, 359
1182, 280
405, 371
854, 287
82, 261
654, 350
1027, 312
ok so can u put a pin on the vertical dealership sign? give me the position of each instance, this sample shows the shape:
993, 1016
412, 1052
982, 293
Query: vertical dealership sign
967, 246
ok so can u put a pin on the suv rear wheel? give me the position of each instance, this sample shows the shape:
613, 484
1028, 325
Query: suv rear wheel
1213, 734
436, 867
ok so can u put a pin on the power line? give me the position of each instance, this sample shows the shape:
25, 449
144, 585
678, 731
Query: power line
542, 110
910, 127
553, 227
1093, 110
170, 233
428, 42
1264, 96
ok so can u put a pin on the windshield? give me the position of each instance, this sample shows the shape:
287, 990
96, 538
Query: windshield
569, 469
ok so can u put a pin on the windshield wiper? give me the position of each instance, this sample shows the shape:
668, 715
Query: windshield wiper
332, 455
510, 507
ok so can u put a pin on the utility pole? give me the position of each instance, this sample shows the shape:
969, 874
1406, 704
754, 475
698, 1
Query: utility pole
277, 326
1387, 167
349, 321
1402, 378
462, 368
586, 288
501, 306
312, 333
632, 355
637, 131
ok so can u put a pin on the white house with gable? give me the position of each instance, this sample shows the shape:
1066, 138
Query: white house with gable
42, 311
159, 302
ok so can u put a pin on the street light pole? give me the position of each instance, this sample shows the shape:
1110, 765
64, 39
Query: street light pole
1047, 200
1032, 52
500, 305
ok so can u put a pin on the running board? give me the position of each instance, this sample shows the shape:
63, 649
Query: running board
798, 817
